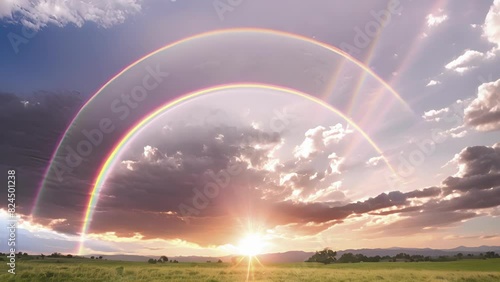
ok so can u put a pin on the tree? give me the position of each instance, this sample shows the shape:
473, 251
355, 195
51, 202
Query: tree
153, 261
348, 258
403, 256
491, 255
25, 254
219, 261
460, 255
163, 259
43, 256
325, 256
417, 258
92, 257
69, 256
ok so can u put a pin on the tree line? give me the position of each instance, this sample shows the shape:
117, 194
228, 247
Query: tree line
327, 256
164, 259
26, 256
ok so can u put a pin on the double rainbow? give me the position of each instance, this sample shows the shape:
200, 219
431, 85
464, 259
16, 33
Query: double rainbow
111, 157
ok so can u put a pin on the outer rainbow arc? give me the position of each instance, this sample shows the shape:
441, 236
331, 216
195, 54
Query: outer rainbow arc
234, 30
116, 150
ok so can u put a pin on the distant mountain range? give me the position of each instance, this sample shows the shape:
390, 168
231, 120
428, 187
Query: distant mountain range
300, 256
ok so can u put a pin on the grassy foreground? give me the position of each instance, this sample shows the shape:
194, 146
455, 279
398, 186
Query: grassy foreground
100, 270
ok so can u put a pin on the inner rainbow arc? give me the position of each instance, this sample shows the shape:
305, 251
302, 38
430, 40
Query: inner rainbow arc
104, 168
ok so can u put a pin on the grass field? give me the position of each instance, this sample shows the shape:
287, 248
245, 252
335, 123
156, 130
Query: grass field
73, 270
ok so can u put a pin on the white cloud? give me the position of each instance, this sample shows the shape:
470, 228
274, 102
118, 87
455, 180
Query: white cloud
456, 132
319, 138
152, 153
375, 161
491, 27
469, 59
433, 20
331, 193
448, 114
435, 115
39, 13
129, 164
335, 163
433, 82
481, 113
484, 111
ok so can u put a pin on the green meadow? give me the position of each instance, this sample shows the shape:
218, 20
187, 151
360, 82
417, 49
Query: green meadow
74, 269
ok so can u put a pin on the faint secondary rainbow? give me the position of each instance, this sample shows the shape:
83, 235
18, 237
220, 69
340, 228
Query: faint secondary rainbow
207, 34
112, 156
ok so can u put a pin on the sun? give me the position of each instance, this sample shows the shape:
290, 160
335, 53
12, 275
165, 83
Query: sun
251, 245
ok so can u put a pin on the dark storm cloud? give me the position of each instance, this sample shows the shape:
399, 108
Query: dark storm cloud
426, 192
148, 191
143, 193
30, 129
476, 187
472, 182
483, 113
439, 213
415, 223
479, 168
479, 188
474, 199
479, 160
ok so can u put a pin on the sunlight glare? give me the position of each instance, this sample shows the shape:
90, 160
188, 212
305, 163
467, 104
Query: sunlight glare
251, 245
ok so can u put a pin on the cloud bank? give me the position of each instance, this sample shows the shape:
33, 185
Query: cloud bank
40, 13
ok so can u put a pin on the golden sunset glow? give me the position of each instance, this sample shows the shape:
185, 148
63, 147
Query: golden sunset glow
251, 245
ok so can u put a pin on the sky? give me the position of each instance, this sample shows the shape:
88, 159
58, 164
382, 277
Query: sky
305, 125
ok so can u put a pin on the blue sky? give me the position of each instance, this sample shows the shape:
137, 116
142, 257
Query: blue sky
442, 61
